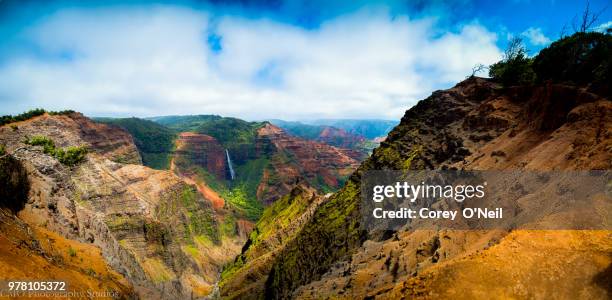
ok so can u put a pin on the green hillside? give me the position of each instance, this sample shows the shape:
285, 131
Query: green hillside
154, 141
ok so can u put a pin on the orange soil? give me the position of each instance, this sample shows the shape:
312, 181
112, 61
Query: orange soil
80, 265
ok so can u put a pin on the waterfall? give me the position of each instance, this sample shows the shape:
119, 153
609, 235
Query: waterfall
229, 163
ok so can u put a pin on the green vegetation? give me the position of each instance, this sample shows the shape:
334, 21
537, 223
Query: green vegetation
238, 136
70, 156
155, 142
61, 112
275, 218
241, 195
30, 114
184, 123
228, 227
332, 232
582, 58
72, 252
21, 117
237, 198
201, 220
515, 67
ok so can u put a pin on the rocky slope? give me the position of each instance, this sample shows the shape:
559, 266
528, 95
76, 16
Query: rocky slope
152, 227
246, 276
475, 125
35, 253
292, 158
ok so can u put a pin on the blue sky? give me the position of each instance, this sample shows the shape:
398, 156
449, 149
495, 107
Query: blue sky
258, 59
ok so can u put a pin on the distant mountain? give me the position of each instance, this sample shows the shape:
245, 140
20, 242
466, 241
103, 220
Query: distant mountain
303, 130
369, 128
336, 136
184, 123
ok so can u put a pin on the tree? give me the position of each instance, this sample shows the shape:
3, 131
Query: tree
515, 66
582, 58
587, 19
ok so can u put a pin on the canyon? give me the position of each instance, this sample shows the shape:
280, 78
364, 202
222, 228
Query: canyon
118, 225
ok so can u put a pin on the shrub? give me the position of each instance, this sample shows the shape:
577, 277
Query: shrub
21, 117
70, 156
31, 114
61, 112
515, 67
47, 143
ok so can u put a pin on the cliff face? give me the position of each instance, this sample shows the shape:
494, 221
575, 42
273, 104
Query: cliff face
293, 158
203, 151
152, 226
475, 125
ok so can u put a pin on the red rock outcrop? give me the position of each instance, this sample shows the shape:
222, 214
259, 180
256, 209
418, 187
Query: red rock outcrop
201, 150
293, 159
339, 137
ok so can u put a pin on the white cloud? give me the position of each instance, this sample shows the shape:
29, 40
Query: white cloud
603, 27
535, 36
156, 61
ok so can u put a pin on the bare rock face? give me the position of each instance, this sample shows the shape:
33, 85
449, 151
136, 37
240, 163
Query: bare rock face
152, 226
203, 151
294, 158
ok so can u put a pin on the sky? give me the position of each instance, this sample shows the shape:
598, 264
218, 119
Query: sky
258, 60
